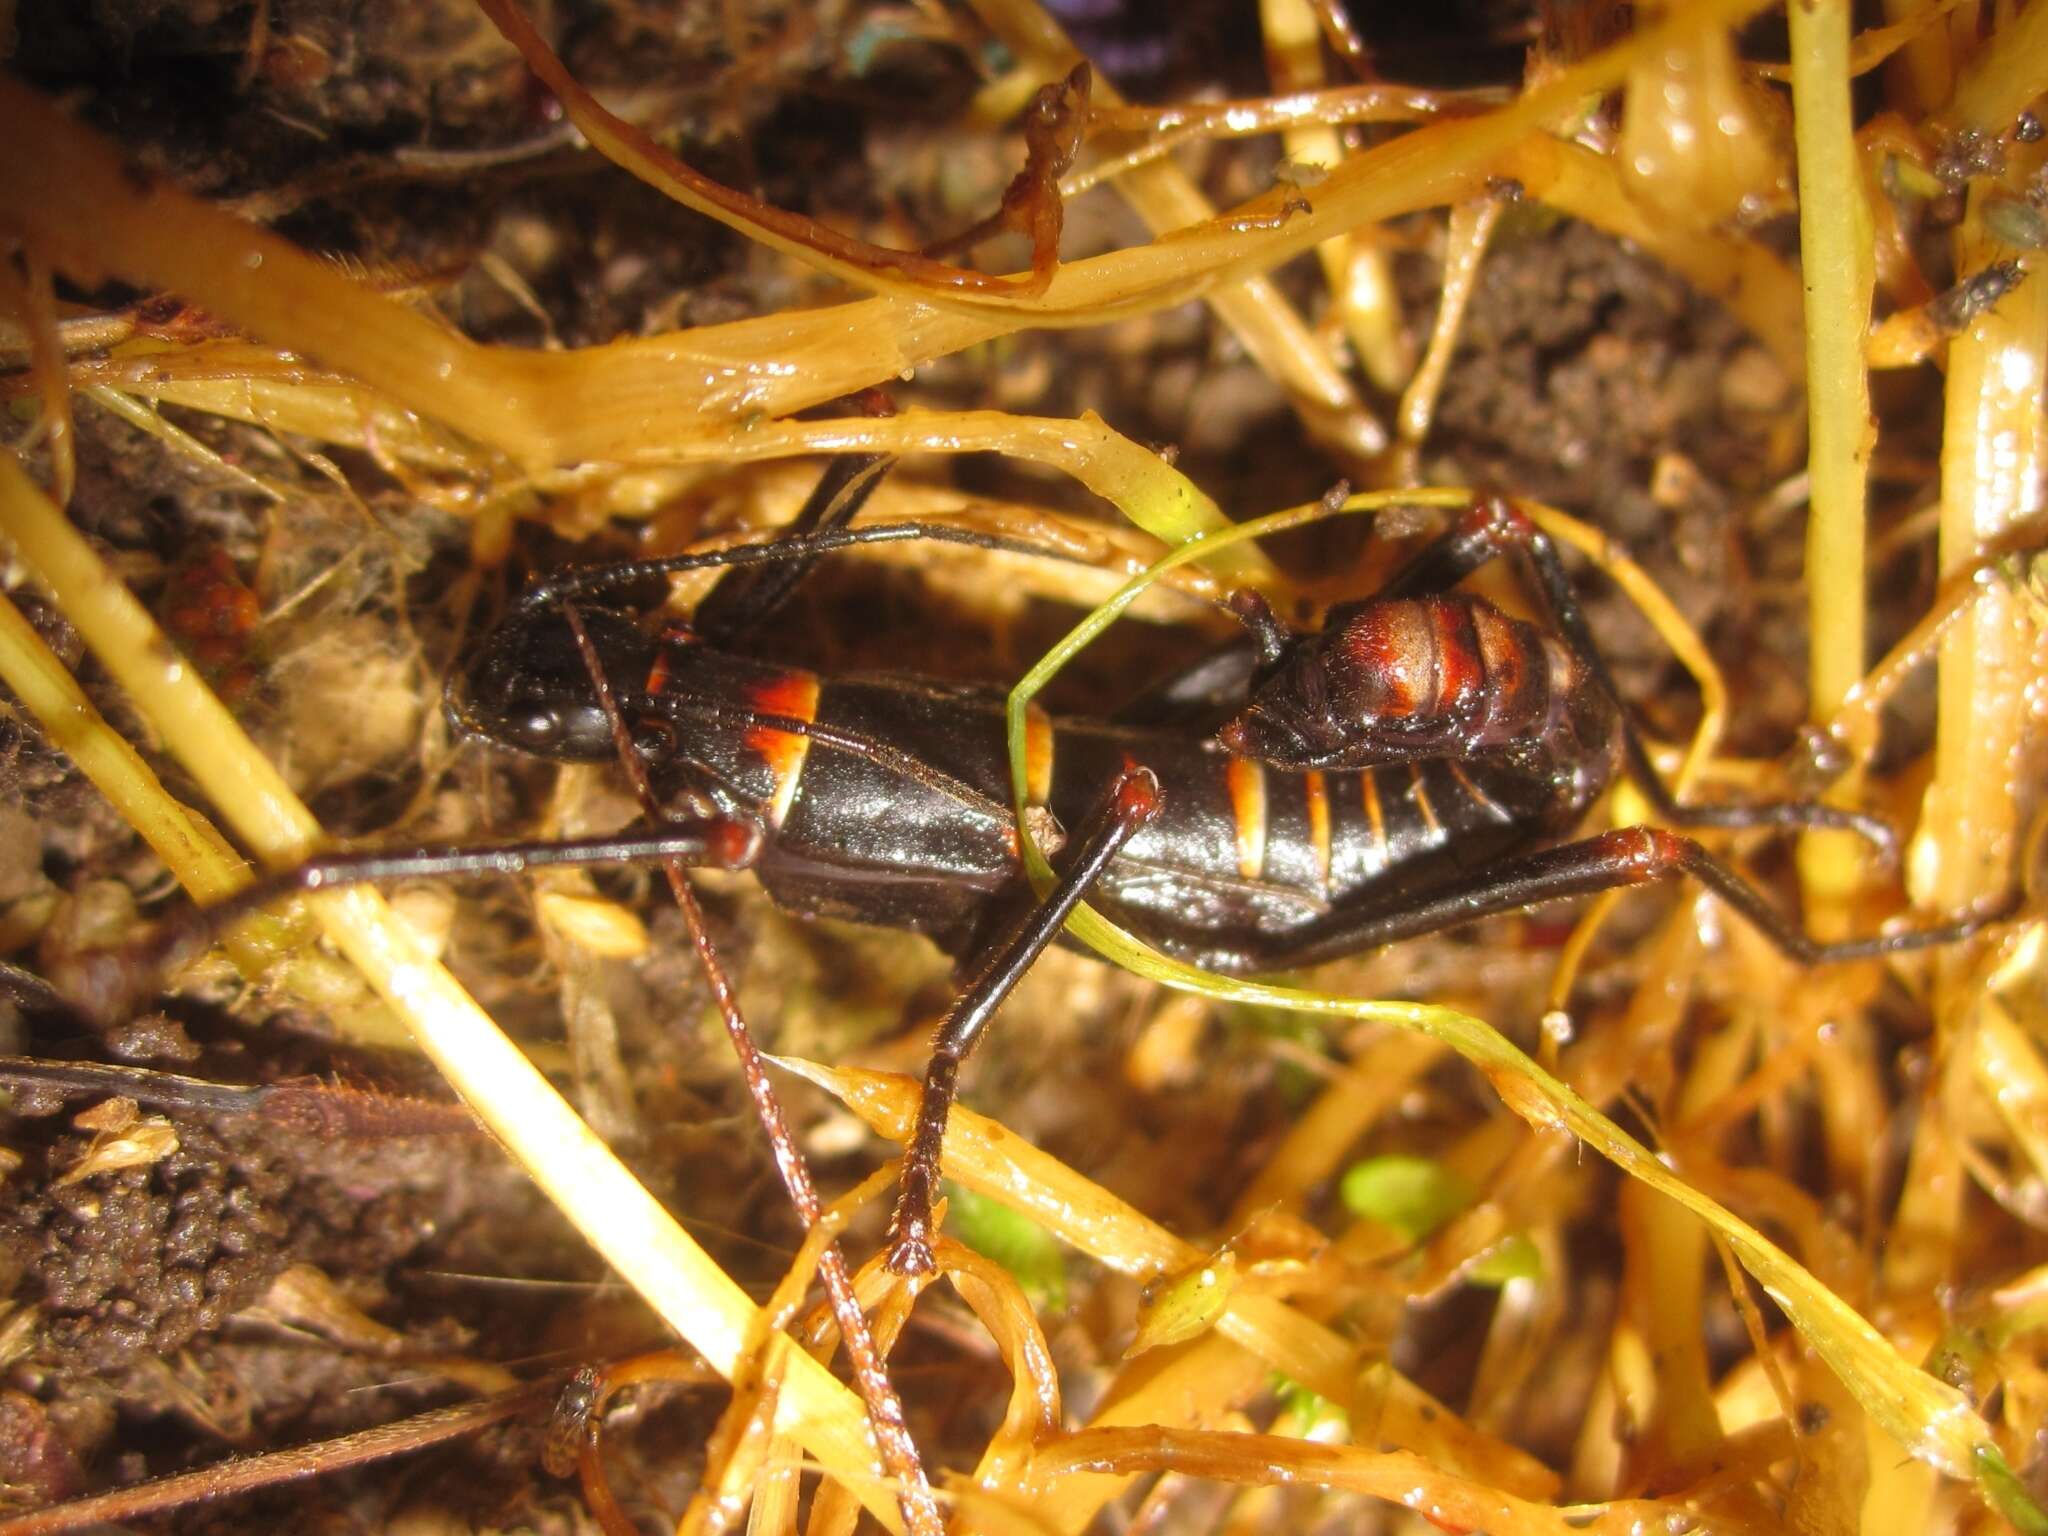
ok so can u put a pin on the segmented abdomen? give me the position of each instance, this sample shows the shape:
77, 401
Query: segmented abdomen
916, 831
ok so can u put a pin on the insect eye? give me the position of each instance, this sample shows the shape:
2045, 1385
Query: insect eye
541, 728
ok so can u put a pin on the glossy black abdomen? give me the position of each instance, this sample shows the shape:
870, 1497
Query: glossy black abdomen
921, 839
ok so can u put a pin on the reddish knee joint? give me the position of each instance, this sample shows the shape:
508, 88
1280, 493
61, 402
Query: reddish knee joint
1500, 520
1645, 853
1137, 795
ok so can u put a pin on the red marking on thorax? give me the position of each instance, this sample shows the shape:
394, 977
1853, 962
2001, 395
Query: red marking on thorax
1500, 649
1460, 670
1390, 647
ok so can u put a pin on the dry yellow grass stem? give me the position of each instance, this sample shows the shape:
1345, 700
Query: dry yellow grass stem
192, 849
1252, 116
1840, 273
179, 441
83, 209
983, 1157
1359, 276
189, 846
1664, 1274
1987, 732
2003, 77
1138, 482
1994, 458
1437, 164
1465, 237
1167, 199
1879, 45
1445, 1500
1699, 142
1167, 128
2012, 555
1148, 490
1924, 75
577, 1171
1268, 1335
1755, 284
2013, 1080
245, 383
76, 333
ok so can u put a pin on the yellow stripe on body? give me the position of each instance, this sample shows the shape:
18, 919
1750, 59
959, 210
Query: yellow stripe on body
1316, 790
1038, 751
1420, 795
1246, 780
1480, 797
1374, 817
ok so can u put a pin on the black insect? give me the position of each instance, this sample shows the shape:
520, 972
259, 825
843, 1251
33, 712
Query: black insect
1409, 767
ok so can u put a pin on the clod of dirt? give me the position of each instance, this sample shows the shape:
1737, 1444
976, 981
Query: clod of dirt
1581, 363
144, 1258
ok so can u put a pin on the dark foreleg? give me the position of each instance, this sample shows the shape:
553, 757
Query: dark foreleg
1133, 802
745, 596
